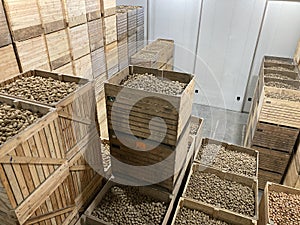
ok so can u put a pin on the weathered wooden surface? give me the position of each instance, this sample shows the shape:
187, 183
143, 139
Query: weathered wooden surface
8, 62
112, 58
93, 9
79, 41
110, 29
98, 62
76, 12
5, 38
95, 34
83, 67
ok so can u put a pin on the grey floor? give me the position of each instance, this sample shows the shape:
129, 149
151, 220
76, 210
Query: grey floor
220, 124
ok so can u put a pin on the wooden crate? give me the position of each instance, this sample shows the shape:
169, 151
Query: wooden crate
108, 7
265, 176
5, 38
65, 69
121, 24
112, 58
198, 136
24, 19
83, 67
99, 85
136, 160
98, 62
33, 54
132, 45
292, 176
75, 12
272, 160
123, 53
264, 215
140, 16
226, 176
213, 212
110, 29
8, 62
144, 58
156, 194
58, 49
79, 41
176, 116
169, 65
132, 20
95, 34
140, 37
230, 147
164, 47
102, 116
76, 111
52, 15
93, 9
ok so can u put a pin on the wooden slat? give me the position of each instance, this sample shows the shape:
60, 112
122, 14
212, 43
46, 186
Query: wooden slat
93, 9
76, 12
123, 53
24, 19
58, 49
31, 160
8, 62
66, 69
98, 62
95, 34
52, 15
33, 54
111, 55
5, 38
265, 176
108, 7
110, 29
79, 41
83, 67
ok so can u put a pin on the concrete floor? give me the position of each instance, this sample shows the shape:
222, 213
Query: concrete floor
220, 124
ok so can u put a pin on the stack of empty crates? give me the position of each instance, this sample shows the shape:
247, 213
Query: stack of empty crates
158, 55
274, 119
133, 158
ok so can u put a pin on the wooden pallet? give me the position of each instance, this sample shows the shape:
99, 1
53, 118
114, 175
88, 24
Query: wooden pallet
108, 7
93, 9
33, 54
197, 168
58, 49
292, 176
121, 24
175, 110
79, 41
123, 53
212, 212
264, 215
98, 62
110, 29
5, 38
83, 67
265, 176
24, 19
112, 58
8, 62
141, 158
95, 34
88, 219
75, 12
52, 15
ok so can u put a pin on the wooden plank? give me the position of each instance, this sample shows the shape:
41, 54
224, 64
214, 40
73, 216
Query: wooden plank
52, 15
108, 7
24, 19
79, 41
83, 67
65, 69
110, 29
31, 160
93, 9
8, 62
95, 34
111, 55
132, 45
99, 85
164, 47
58, 49
98, 62
76, 12
146, 58
121, 24
212, 212
292, 176
33, 54
123, 53
5, 38
265, 176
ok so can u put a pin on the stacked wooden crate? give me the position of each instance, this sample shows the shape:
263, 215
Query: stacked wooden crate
140, 28
274, 119
50, 170
158, 55
8, 62
292, 177
110, 36
122, 38
171, 145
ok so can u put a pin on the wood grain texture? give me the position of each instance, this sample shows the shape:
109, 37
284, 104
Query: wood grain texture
95, 34
108, 7
5, 38
93, 9
33, 54
76, 12
8, 62
98, 62
66, 69
110, 29
79, 41
83, 67
123, 53
111, 55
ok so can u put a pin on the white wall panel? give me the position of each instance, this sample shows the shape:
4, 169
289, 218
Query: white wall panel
228, 34
177, 20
